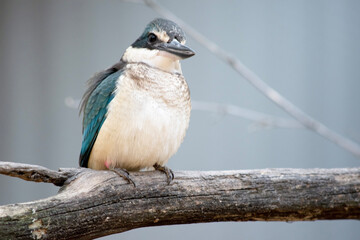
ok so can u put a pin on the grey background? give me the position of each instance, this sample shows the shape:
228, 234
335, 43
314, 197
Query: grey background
308, 50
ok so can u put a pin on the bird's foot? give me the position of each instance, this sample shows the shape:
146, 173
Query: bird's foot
169, 173
124, 174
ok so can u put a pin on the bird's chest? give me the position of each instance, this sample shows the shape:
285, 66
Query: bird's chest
151, 105
146, 120
140, 111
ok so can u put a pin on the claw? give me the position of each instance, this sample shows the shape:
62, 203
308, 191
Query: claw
124, 174
169, 173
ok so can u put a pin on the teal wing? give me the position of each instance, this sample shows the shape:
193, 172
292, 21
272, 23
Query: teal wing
94, 106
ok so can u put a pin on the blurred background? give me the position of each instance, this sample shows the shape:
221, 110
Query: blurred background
307, 50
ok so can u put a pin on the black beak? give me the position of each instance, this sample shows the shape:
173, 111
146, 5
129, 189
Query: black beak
176, 48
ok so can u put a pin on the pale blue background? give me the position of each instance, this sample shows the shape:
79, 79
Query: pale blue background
308, 50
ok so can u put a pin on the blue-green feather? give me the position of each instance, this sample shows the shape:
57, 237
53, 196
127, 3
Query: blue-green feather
95, 110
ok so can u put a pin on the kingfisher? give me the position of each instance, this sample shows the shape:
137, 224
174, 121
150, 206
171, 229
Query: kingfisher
136, 113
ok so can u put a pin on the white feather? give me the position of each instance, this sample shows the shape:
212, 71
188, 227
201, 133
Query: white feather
155, 58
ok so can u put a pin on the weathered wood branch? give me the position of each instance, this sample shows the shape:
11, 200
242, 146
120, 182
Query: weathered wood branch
37, 173
97, 203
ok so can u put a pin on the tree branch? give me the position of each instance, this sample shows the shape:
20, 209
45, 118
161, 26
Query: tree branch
273, 95
37, 173
259, 119
97, 203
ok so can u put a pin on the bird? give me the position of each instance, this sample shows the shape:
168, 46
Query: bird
136, 113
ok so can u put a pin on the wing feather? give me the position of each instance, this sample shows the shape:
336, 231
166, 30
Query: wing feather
94, 107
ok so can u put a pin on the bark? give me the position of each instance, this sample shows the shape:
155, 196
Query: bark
92, 204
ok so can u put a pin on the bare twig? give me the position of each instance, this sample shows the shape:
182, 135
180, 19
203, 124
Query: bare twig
259, 84
72, 102
36, 173
260, 120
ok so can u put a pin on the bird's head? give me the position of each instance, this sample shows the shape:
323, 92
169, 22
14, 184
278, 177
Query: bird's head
161, 45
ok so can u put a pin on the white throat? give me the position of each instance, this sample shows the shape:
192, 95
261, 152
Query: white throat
155, 58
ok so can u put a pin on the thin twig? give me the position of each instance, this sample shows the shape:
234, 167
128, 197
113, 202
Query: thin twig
259, 84
260, 120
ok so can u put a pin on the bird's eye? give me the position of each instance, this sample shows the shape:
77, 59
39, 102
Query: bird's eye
152, 38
